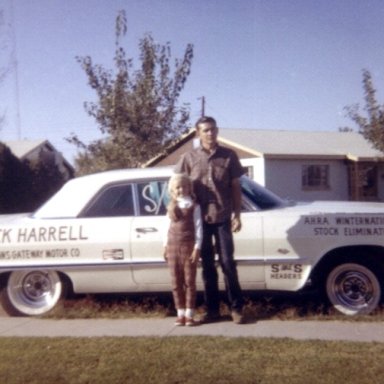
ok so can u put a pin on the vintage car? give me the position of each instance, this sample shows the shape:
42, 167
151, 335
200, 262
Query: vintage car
103, 233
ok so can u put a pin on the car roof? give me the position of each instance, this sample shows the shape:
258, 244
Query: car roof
76, 193
123, 174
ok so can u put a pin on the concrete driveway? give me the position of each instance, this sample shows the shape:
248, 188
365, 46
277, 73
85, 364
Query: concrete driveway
163, 327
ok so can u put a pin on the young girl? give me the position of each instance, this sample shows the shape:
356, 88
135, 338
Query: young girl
182, 246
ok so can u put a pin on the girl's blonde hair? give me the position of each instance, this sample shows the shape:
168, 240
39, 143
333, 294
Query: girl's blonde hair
173, 210
179, 177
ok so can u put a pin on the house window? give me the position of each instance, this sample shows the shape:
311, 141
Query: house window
315, 177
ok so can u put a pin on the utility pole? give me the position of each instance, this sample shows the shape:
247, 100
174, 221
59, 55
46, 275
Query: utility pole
202, 106
14, 64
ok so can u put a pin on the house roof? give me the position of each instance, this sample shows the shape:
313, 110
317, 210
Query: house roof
22, 148
281, 144
289, 144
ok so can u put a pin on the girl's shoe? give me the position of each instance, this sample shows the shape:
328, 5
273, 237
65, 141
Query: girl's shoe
180, 321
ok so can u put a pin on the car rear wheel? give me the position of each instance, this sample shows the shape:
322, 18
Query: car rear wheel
353, 289
31, 293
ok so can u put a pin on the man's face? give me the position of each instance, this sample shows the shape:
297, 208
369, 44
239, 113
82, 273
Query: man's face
207, 133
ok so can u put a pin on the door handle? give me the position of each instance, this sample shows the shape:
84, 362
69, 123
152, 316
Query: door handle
146, 230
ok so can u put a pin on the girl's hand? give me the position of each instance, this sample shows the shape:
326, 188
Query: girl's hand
165, 254
195, 256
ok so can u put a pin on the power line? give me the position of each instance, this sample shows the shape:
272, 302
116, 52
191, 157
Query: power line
14, 63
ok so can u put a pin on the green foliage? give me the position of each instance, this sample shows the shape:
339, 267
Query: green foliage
136, 110
370, 124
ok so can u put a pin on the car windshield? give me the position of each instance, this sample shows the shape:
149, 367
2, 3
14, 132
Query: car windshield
256, 197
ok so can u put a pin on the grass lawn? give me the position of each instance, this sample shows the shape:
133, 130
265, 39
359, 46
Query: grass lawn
202, 360
198, 359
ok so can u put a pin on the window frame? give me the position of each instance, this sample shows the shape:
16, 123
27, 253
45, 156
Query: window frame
310, 181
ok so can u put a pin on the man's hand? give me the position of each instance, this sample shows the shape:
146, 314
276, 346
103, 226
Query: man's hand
236, 224
236, 201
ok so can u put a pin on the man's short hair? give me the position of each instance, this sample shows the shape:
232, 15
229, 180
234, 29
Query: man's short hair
205, 119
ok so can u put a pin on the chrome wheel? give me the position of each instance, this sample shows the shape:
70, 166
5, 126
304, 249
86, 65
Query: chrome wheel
353, 289
33, 292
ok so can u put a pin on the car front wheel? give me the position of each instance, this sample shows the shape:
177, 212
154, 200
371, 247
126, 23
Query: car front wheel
31, 293
353, 289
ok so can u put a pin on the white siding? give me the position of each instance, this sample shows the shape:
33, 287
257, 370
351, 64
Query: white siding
284, 177
258, 168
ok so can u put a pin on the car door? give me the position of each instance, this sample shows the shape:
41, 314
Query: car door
106, 225
249, 251
289, 246
147, 235
250, 242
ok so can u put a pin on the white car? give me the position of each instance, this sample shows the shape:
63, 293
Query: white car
103, 233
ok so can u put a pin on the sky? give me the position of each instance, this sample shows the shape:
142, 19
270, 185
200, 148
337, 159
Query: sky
259, 64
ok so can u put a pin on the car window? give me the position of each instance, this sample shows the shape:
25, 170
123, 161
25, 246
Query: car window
256, 197
116, 200
152, 198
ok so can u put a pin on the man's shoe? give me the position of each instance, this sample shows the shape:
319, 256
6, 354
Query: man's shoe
191, 322
237, 317
180, 321
209, 317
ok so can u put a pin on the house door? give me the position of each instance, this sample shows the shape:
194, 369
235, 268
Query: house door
363, 180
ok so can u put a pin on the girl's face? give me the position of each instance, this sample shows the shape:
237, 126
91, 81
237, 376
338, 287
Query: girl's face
181, 188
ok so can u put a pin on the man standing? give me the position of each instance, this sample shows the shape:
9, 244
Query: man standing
215, 171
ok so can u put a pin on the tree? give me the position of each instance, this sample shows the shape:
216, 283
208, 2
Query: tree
136, 110
371, 126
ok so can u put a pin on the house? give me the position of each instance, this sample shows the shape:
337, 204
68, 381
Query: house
33, 150
301, 165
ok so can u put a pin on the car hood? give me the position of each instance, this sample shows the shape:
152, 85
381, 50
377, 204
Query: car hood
341, 207
13, 218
